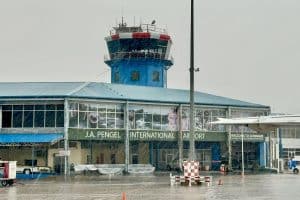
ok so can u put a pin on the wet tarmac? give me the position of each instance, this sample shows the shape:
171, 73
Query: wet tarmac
267, 186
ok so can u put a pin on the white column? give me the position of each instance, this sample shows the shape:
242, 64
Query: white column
66, 135
126, 117
243, 164
180, 139
229, 140
277, 149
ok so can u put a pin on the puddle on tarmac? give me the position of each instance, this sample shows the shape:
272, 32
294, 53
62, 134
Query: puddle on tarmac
271, 186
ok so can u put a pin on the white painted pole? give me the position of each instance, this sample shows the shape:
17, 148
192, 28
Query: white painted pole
127, 144
66, 136
243, 165
277, 150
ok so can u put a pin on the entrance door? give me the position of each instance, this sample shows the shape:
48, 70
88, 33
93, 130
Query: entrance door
204, 156
169, 160
135, 158
59, 164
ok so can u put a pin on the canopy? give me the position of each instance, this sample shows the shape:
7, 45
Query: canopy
21, 138
263, 123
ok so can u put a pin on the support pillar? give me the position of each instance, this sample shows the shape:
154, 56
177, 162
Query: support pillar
151, 153
243, 162
180, 137
229, 142
126, 118
270, 151
66, 136
277, 150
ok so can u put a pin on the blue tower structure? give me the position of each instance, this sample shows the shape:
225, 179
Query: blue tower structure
139, 55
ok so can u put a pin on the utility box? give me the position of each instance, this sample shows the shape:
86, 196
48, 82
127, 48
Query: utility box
8, 172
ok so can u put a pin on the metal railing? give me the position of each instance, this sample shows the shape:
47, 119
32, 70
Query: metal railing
137, 55
141, 28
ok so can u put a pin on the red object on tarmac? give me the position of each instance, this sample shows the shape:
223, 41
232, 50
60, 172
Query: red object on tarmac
123, 196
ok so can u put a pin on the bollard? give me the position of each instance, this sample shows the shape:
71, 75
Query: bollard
220, 182
172, 179
123, 196
208, 180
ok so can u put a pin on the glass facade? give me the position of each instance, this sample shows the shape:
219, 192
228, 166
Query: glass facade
245, 113
96, 115
98, 130
148, 117
203, 119
33, 116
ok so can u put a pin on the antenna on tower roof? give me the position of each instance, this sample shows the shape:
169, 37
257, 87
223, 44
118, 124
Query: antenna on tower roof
133, 20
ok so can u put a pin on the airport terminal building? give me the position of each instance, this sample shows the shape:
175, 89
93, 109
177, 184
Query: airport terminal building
133, 120
94, 119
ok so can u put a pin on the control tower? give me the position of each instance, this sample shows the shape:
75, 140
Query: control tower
139, 55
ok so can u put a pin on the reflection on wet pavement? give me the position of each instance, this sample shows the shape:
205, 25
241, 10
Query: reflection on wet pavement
271, 186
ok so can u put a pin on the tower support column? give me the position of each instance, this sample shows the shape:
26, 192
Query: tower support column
126, 117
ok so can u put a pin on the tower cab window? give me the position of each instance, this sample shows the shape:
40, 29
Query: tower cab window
135, 75
117, 77
155, 76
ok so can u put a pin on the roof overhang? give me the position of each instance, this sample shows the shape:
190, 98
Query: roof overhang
263, 123
29, 139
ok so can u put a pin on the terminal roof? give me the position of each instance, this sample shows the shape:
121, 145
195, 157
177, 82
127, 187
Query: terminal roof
98, 90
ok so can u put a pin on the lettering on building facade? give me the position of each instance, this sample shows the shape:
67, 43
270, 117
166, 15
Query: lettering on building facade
143, 135
248, 137
102, 135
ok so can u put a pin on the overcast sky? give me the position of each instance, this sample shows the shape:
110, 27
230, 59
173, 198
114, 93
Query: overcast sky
248, 50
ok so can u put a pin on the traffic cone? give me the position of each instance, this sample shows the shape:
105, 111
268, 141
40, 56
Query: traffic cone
123, 196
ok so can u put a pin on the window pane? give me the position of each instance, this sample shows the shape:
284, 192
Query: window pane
17, 119
110, 120
139, 121
155, 76
135, 76
102, 108
7, 107
164, 122
60, 119
117, 77
111, 108
50, 118
39, 107
185, 119
61, 107
92, 119
92, 107
73, 115
102, 120
39, 119
156, 122
148, 121
119, 108
172, 120
82, 120
72, 106
18, 107
83, 107
120, 121
50, 107
28, 107
6, 119
28, 119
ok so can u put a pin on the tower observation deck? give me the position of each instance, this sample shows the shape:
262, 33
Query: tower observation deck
139, 55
